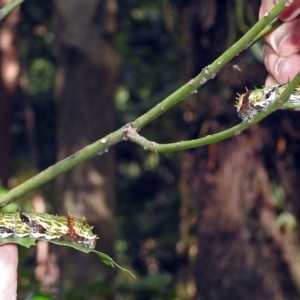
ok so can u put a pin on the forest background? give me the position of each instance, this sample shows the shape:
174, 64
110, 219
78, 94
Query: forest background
215, 222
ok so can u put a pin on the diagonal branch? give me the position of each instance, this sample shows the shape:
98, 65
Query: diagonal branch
281, 102
210, 71
130, 131
8, 8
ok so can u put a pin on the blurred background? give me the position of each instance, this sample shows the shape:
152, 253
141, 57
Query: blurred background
216, 222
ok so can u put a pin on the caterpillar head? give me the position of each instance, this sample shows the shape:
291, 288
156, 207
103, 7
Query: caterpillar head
244, 108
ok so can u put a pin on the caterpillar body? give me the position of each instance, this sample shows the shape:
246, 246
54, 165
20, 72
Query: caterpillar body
47, 227
254, 101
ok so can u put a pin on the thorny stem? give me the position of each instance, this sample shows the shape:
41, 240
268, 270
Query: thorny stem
281, 102
8, 8
98, 147
210, 71
270, 27
130, 131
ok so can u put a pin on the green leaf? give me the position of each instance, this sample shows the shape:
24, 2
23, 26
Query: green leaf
39, 297
28, 242
287, 220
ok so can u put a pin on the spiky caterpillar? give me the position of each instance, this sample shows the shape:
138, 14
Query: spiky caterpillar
47, 227
253, 101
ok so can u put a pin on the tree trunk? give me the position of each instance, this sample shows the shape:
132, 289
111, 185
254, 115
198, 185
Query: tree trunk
240, 187
86, 81
243, 253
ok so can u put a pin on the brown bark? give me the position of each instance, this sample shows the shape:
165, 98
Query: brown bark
240, 250
86, 82
9, 67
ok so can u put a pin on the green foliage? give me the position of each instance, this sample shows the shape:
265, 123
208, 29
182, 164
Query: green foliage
287, 220
147, 182
40, 77
35, 98
278, 195
28, 242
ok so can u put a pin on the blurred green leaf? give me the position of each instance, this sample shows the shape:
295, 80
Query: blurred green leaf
27, 242
278, 195
41, 75
39, 297
287, 220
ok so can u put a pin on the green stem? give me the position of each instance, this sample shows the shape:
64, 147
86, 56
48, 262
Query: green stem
102, 145
273, 25
277, 104
8, 8
210, 71
99, 147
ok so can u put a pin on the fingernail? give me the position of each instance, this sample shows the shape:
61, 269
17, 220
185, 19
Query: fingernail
277, 41
285, 48
279, 65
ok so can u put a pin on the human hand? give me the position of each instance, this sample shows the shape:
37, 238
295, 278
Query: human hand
8, 272
282, 49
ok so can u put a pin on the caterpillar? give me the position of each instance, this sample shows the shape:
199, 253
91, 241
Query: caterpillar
47, 227
252, 102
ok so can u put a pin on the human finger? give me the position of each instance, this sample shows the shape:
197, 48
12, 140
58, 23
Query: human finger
285, 40
270, 81
282, 69
8, 272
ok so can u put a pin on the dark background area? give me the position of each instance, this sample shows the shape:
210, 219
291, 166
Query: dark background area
216, 222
